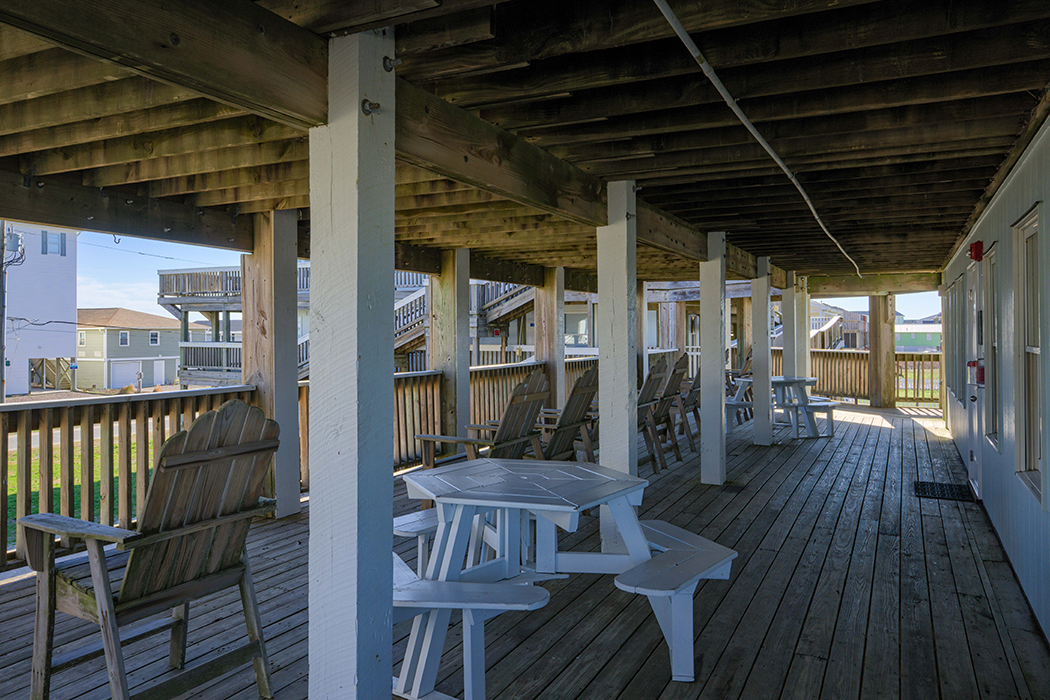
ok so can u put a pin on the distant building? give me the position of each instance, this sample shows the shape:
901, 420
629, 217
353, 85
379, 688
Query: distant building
918, 337
40, 327
117, 347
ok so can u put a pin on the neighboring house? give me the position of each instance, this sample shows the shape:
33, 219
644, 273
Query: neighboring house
40, 328
114, 345
918, 337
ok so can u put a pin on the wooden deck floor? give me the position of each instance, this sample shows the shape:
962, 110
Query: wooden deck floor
847, 586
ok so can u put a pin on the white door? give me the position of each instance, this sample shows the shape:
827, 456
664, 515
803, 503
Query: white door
123, 373
974, 397
158, 373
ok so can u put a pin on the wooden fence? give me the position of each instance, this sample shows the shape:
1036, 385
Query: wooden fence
104, 454
844, 374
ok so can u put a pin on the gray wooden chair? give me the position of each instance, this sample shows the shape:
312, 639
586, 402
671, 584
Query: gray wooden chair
646, 399
510, 437
189, 543
659, 420
571, 422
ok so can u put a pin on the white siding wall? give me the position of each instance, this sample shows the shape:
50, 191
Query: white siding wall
43, 288
1022, 522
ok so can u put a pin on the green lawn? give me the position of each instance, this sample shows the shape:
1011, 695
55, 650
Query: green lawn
77, 480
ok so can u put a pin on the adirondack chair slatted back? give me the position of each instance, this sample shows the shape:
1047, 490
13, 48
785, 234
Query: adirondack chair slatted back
672, 388
651, 387
563, 438
519, 419
692, 396
188, 488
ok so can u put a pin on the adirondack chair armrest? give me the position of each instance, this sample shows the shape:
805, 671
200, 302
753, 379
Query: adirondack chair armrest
40, 530
457, 440
264, 507
490, 427
73, 527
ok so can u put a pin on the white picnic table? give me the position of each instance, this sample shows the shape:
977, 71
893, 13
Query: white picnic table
556, 493
790, 396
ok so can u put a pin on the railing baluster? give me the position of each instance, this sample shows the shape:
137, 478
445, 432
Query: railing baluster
141, 455
124, 479
304, 436
105, 464
23, 475
66, 477
4, 514
87, 463
46, 437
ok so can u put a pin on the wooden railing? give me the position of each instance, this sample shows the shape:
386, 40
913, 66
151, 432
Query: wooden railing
490, 388
410, 279
102, 448
919, 377
844, 374
210, 356
840, 373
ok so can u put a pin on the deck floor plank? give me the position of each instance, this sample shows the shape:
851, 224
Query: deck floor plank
846, 586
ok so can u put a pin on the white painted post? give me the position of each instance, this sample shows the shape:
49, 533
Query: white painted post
761, 362
788, 312
728, 315
550, 331
712, 361
617, 333
449, 339
268, 341
802, 363
352, 366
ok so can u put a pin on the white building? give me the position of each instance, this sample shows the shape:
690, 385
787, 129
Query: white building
41, 300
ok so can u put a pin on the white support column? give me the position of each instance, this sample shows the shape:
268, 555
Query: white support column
802, 363
788, 313
617, 332
268, 342
761, 362
449, 338
550, 331
352, 366
712, 361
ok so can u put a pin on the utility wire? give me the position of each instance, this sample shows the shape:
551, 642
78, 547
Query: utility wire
709, 71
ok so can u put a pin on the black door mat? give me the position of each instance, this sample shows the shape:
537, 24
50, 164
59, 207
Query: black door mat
950, 492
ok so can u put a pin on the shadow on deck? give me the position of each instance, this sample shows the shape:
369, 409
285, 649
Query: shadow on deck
847, 586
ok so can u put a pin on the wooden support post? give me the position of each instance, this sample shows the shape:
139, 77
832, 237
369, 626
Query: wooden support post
617, 332
227, 332
802, 364
642, 319
788, 311
269, 354
745, 333
761, 359
550, 331
712, 362
681, 326
882, 361
352, 374
450, 337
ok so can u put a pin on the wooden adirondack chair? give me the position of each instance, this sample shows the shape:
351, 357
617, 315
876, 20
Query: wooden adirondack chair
572, 421
510, 437
646, 400
689, 402
190, 542
659, 416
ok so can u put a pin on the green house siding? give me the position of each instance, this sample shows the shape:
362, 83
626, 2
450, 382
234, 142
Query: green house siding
139, 350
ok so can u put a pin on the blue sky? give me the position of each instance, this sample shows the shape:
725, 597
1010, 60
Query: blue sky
124, 273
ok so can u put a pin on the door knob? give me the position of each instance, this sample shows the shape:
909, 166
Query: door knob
973, 399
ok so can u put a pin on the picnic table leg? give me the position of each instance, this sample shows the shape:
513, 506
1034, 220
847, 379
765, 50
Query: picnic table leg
630, 529
473, 656
675, 615
546, 545
423, 653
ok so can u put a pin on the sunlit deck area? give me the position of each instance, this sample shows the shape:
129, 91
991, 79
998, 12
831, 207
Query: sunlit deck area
846, 586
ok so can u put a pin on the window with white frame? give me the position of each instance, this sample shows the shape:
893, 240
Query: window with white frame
52, 243
124, 339
154, 337
1029, 347
991, 346
81, 338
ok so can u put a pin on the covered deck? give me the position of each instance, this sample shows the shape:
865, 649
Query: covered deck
847, 586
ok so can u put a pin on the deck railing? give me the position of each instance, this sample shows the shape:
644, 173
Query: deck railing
844, 374
88, 458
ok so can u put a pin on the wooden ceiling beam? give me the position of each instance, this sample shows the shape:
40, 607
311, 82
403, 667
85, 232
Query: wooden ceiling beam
199, 162
235, 52
225, 179
535, 31
338, 17
261, 205
851, 285
169, 116
788, 195
248, 193
942, 54
445, 32
51, 72
15, 43
92, 102
57, 203
227, 133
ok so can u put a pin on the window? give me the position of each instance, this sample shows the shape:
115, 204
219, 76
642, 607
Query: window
991, 347
81, 338
154, 337
1029, 346
52, 243
123, 339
